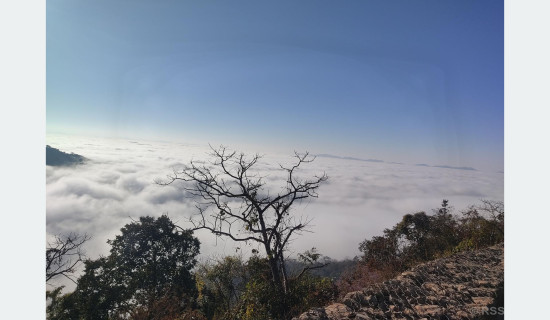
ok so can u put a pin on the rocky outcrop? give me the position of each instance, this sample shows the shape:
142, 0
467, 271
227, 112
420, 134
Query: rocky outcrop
467, 285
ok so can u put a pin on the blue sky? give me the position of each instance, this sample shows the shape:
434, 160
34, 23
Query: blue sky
409, 81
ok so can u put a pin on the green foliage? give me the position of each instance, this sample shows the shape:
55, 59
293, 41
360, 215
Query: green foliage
262, 301
383, 252
153, 256
309, 256
481, 225
234, 289
259, 301
166, 307
420, 237
255, 296
220, 286
332, 269
60, 306
148, 266
100, 293
310, 291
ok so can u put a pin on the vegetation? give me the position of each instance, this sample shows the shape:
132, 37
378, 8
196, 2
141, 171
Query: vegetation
420, 237
149, 266
234, 201
232, 288
327, 267
151, 271
63, 255
147, 275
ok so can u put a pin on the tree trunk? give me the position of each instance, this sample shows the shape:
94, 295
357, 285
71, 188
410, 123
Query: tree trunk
275, 273
283, 271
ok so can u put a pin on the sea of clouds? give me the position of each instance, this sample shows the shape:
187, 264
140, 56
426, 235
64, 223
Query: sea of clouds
359, 199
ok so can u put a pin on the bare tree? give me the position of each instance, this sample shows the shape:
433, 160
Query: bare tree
233, 200
495, 210
63, 255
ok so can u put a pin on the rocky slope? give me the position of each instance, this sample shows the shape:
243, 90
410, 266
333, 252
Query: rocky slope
467, 285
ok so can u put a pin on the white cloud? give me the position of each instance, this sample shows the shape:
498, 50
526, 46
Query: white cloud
358, 201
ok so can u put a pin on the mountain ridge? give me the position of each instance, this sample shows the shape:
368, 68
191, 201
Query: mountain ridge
57, 158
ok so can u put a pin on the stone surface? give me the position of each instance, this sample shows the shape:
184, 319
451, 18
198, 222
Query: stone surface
339, 310
457, 287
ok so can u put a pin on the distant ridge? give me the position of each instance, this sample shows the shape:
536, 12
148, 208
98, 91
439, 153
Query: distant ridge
458, 168
446, 167
55, 157
324, 155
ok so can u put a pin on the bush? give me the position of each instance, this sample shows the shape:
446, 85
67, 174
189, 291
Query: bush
420, 237
233, 289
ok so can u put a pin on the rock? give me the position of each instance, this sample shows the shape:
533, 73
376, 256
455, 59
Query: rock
339, 311
313, 314
456, 287
483, 301
428, 310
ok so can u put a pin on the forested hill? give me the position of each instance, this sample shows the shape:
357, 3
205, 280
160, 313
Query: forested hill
56, 157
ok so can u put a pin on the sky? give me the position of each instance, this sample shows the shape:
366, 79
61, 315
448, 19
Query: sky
402, 81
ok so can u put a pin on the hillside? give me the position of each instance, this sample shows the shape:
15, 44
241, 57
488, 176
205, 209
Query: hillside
467, 285
55, 157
